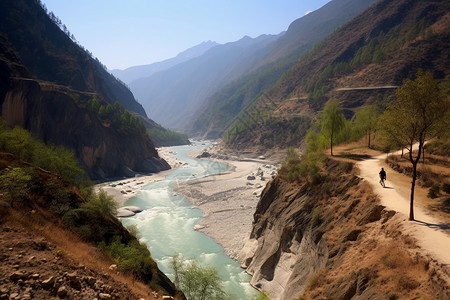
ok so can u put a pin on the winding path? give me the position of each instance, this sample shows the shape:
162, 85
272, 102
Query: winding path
431, 234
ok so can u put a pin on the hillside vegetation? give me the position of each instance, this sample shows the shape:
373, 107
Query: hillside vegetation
302, 34
360, 64
44, 191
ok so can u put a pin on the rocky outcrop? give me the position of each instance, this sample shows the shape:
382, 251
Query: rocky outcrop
51, 114
329, 238
51, 55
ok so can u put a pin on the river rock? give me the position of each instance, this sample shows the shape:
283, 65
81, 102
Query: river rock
135, 209
205, 154
124, 213
251, 177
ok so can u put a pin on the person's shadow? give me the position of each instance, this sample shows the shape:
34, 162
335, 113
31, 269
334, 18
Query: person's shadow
442, 226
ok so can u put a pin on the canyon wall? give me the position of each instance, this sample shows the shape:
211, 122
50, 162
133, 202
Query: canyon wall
329, 238
52, 114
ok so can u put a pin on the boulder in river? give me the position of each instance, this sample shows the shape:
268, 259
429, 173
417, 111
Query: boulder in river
128, 211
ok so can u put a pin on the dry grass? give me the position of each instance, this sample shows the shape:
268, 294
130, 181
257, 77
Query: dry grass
72, 248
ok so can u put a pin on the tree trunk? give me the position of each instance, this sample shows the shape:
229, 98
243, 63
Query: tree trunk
369, 139
413, 185
331, 143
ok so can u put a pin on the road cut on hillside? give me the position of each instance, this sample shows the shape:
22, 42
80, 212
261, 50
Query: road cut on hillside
432, 235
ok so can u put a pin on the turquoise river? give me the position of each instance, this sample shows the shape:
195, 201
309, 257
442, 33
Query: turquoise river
167, 222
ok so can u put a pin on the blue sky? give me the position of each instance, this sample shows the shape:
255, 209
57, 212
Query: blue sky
137, 32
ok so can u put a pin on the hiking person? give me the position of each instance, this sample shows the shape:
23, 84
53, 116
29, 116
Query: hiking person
382, 177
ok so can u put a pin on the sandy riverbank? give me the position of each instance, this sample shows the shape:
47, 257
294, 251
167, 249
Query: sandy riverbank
228, 200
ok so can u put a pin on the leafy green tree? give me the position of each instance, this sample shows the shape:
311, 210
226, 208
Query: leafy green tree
419, 113
366, 120
16, 182
17, 141
332, 121
95, 104
197, 282
101, 204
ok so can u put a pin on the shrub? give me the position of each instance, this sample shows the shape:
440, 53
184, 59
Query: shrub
316, 216
101, 204
433, 192
134, 257
56, 159
446, 203
446, 187
195, 281
296, 168
16, 183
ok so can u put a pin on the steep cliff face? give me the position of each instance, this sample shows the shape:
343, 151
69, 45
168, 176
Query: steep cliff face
52, 56
51, 114
61, 115
330, 239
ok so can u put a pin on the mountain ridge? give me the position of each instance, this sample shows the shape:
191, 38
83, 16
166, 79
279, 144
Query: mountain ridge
133, 73
171, 96
61, 111
388, 42
302, 35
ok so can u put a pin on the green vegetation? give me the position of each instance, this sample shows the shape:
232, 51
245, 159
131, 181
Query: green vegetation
34, 178
164, 137
116, 116
332, 121
373, 51
438, 147
197, 282
16, 182
101, 204
420, 112
296, 168
56, 159
366, 121
132, 257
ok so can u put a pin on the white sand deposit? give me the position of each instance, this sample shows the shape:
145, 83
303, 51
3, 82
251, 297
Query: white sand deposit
228, 201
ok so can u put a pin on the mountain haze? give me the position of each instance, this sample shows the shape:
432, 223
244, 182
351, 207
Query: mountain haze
133, 73
54, 89
302, 35
171, 97
52, 56
361, 63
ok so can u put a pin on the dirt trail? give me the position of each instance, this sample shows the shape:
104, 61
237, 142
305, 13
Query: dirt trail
431, 234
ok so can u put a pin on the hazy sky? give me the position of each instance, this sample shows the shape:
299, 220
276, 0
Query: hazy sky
125, 33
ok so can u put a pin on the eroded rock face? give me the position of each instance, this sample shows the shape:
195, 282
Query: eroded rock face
51, 114
329, 238
288, 251
287, 245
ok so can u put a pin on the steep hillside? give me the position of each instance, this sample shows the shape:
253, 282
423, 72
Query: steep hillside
282, 54
133, 73
361, 63
325, 236
172, 96
51, 55
105, 147
51, 231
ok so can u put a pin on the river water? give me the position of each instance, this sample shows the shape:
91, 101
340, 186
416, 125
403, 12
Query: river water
166, 224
